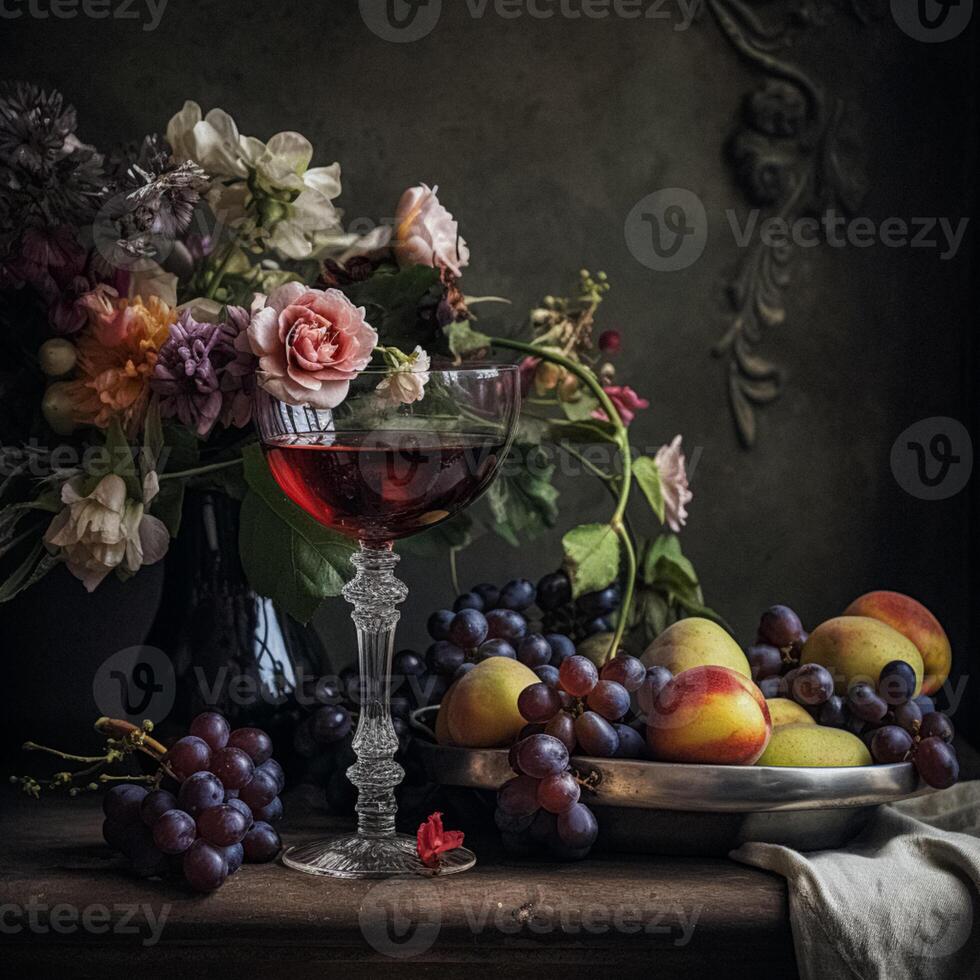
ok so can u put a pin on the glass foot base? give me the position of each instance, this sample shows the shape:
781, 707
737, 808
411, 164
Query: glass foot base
352, 856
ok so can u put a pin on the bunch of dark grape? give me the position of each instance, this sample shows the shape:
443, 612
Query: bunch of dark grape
587, 709
585, 616
541, 807
219, 813
777, 649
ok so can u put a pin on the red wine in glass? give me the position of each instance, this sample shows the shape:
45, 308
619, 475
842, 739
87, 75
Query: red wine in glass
383, 485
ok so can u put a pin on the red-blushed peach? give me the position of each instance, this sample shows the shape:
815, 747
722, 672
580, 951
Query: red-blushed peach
711, 715
914, 621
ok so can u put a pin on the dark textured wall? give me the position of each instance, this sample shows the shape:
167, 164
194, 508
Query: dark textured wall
542, 135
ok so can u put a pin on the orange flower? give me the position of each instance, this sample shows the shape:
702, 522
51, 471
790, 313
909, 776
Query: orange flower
116, 356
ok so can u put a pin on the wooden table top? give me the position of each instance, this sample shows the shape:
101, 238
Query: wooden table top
68, 907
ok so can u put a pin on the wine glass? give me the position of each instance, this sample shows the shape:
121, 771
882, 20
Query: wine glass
377, 469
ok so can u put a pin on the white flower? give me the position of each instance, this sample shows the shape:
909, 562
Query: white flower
673, 483
406, 383
427, 234
105, 530
211, 141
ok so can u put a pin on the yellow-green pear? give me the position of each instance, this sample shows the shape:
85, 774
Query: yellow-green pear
814, 746
696, 642
782, 711
481, 712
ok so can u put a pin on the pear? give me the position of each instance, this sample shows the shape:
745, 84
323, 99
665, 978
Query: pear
481, 707
814, 746
786, 712
696, 642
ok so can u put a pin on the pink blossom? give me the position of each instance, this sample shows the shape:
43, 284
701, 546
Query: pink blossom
427, 234
625, 400
310, 343
673, 483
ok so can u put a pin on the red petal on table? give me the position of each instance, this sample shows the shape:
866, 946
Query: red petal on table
433, 840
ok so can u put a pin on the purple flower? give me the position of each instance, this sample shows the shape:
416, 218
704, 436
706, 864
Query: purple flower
238, 379
189, 369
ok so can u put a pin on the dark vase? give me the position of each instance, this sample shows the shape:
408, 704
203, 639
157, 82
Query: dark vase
232, 650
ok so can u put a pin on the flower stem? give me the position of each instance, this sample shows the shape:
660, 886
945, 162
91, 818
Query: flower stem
621, 438
219, 273
200, 470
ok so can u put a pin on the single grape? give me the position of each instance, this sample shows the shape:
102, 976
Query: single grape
927, 705
115, 834
595, 626
517, 595
625, 670
632, 745
511, 823
891, 744
548, 674
765, 661
593, 605
496, 648
609, 699
542, 755
908, 716
657, 678
534, 651
244, 809
439, 623
270, 813
462, 669
252, 741
323, 690
259, 791
234, 767
562, 727
212, 727
937, 762
833, 712
577, 827
518, 797
205, 866
506, 624
222, 825
155, 804
812, 685
468, 600
936, 725
554, 590
595, 736
490, 595
468, 629
330, 724
234, 855
896, 683
145, 859
780, 627
122, 804
771, 687
578, 675
530, 729
559, 792
199, 792
538, 703
261, 843
187, 756
400, 707
444, 658
561, 648
407, 663
864, 703
174, 832
544, 827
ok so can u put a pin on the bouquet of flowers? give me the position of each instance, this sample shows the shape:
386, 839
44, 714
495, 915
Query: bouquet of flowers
147, 294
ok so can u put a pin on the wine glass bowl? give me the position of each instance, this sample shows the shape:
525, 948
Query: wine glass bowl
396, 457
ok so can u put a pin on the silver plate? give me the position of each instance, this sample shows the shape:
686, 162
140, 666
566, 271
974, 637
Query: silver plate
639, 804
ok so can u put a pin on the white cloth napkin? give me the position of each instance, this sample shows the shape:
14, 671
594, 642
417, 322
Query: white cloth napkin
900, 902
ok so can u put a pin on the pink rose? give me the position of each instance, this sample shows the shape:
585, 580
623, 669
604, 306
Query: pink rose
626, 401
310, 344
426, 234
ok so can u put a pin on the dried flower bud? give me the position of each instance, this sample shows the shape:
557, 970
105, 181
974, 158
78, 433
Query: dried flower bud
57, 409
57, 357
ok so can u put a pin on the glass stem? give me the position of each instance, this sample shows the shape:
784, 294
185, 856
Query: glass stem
374, 592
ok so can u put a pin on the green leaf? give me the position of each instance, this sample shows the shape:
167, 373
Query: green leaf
664, 564
464, 340
651, 614
35, 565
587, 431
287, 555
648, 477
523, 503
581, 408
179, 450
591, 557
119, 460
153, 441
456, 533
392, 302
